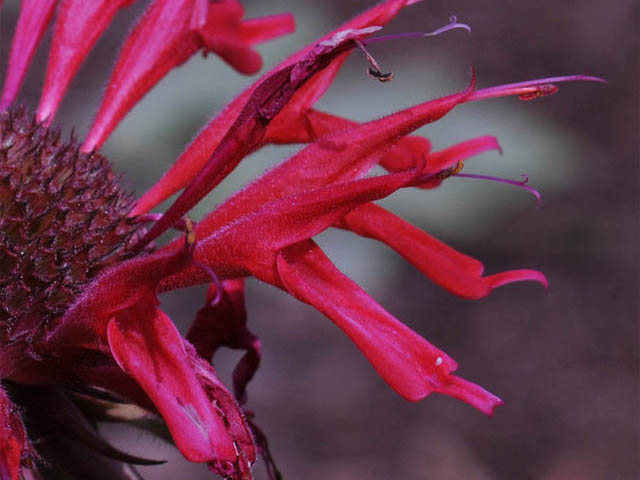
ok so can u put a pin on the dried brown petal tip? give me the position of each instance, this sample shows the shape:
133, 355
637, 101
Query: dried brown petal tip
63, 218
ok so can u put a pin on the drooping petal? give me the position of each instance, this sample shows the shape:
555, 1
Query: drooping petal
147, 346
168, 34
454, 271
12, 438
224, 323
198, 152
79, 24
225, 34
407, 362
34, 19
237, 425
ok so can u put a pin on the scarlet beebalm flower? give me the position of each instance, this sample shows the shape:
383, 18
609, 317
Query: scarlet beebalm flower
82, 331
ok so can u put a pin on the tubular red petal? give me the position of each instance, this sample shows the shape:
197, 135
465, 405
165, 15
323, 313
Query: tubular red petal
147, 346
407, 362
168, 34
248, 131
454, 271
249, 243
198, 152
347, 155
79, 24
469, 392
35, 16
225, 34
263, 29
511, 276
161, 40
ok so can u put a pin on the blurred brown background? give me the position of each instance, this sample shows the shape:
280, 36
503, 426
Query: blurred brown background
564, 361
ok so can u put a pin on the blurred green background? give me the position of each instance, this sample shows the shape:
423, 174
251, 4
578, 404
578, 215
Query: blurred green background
564, 361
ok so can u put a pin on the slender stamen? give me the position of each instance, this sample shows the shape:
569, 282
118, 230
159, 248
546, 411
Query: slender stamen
180, 225
374, 69
452, 25
521, 183
190, 245
528, 90
214, 279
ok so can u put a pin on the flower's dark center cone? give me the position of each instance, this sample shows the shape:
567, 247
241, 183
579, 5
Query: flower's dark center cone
63, 219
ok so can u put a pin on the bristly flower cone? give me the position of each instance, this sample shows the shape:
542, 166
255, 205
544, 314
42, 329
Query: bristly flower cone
63, 219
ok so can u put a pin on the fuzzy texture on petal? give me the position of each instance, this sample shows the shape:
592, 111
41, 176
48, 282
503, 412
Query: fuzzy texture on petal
147, 346
336, 158
168, 34
198, 152
79, 24
249, 244
34, 19
247, 132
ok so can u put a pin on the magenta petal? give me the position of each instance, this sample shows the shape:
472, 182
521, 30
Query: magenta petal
407, 362
79, 24
147, 346
35, 16
254, 239
511, 276
198, 152
469, 392
454, 271
247, 133
160, 41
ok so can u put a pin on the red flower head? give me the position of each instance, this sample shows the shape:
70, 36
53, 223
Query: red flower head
82, 328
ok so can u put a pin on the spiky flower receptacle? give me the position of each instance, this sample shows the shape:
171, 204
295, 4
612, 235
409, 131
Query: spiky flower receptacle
83, 334
63, 219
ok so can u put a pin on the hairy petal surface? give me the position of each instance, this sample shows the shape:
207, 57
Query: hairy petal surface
168, 34
34, 19
336, 158
198, 152
247, 132
79, 24
249, 244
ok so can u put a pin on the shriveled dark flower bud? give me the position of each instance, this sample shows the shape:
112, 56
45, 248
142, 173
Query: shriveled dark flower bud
63, 218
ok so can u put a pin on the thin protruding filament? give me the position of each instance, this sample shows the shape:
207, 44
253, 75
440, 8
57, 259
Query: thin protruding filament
518, 183
452, 25
528, 90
